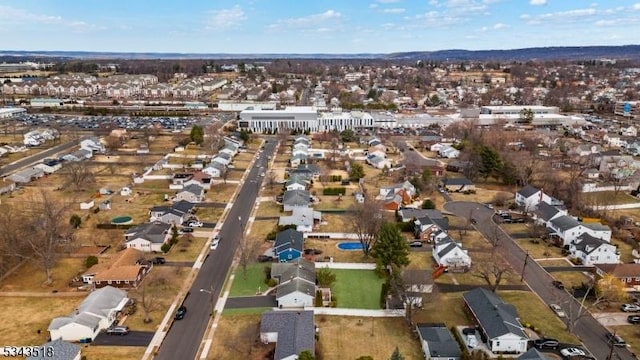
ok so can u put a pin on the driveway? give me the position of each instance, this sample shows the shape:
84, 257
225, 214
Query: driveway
134, 338
612, 318
244, 302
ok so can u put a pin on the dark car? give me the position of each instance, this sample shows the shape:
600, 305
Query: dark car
265, 258
616, 340
158, 260
519, 220
182, 311
118, 330
546, 343
473, 221
415, 244
468, 331
633, 319
557, 284
187, 230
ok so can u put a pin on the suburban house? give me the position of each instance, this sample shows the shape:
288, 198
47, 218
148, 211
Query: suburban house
296, 183
201, 179
222, 158
49, 166
289, 245
458, 184
308, 171
175, 214
295, 199
292, 331
193, 193
297, 160
438, 342
394, 189
78, 155
448, 152
61, 349
430, 223
126, 270
180, 178
296, 283
92, 144
303, 218
545, 213
97, 312
26, 176
396, 201
411, 214
628, 274
498, 322
215, 169
566, 229
450, 254
378, 162
529, 197
148, 237
591, 250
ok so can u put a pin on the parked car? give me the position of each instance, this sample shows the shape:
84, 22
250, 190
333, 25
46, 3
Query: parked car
118, 330
633, 319
265, 258
214, 243
558, 310
186, 230
472, 341
415, 244
182, 311
194, 223
630, 308
557, 284
546, 343
519, 220
158, 260
616, 340
489, 205
468, 331
571, 351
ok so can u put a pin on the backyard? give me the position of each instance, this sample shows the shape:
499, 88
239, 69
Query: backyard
358, 289
248, 285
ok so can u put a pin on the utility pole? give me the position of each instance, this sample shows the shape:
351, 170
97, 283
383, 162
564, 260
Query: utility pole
611, 344
524, 266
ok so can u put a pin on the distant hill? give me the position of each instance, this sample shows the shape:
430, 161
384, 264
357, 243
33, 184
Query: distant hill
539, 53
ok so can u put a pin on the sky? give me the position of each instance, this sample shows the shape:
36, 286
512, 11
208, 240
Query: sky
313, 26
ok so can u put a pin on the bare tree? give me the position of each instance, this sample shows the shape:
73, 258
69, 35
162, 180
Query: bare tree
366, 220
271, 179
78, 175
247, 252
492, 270
410, 288
148, 301
112, 143
213, 138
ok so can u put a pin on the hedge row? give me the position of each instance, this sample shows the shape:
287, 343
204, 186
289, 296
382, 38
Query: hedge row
334, 191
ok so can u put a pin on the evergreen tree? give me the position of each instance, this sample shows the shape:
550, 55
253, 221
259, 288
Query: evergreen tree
391, 247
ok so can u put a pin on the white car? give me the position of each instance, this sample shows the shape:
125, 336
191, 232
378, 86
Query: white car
215, 242
472, 341
569, 352
558, 310
630, 308
194, 224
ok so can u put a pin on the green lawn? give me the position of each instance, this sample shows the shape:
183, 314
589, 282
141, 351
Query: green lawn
359, 289
246, 311
248, 286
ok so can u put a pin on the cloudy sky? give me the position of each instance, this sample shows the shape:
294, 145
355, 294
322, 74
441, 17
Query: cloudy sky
313, 26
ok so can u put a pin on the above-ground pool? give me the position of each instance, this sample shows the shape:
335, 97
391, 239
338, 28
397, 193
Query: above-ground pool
122, 220
350, 245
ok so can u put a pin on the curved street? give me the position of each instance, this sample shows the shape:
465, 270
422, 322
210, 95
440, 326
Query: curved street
587, 328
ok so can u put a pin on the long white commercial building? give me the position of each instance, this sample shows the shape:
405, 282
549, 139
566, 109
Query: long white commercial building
302, 118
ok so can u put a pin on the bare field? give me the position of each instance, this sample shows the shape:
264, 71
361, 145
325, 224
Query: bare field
31, 277
187, 249
234, 336
481, 195
30, 315
261, 228
269, 208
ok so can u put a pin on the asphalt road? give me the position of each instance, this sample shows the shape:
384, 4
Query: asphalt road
587, 328
185, 336
8, 169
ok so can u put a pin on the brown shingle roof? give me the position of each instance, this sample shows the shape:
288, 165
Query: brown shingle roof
123, 267
621, 270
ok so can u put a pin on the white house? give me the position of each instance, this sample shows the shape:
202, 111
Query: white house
49, 167
497, 320
545, 213
148, 237
447, 252
303, 218
296, 283
598, 230
592, 251
26, 176
87, 205
449, 152
565, 229
529, 197
193, 193
97, 312
215, 169
92, 144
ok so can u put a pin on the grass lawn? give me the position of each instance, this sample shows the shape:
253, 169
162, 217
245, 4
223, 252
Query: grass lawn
481, 195
269, 208
329, 249
554, 262
335, 223
541, 250
248, 286
351, 337
31, 277
359, 289
570, 278
447, 308
630, 334
113, 352
246, 311
608, 198
332, 202
168, 282
28, 315
237, 337
420, 260
535, 312
261, 228
209, 214
221, 192
236, 174
185, 249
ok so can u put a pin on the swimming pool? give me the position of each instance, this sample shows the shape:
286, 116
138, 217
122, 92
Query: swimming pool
350, 245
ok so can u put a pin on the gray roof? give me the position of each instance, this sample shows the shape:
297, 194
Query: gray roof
596, 226
565, 222
296, 198
457, 182
193, 188
278, 269
546, 211
411, 213
452, 245
441, 342
103, 300
182, 206
496, 317
224, 155
296, 331
296, 285
300, 216
587, 243
307, 274
154, 231
533, 354
289, 238
62, 350
528, 191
